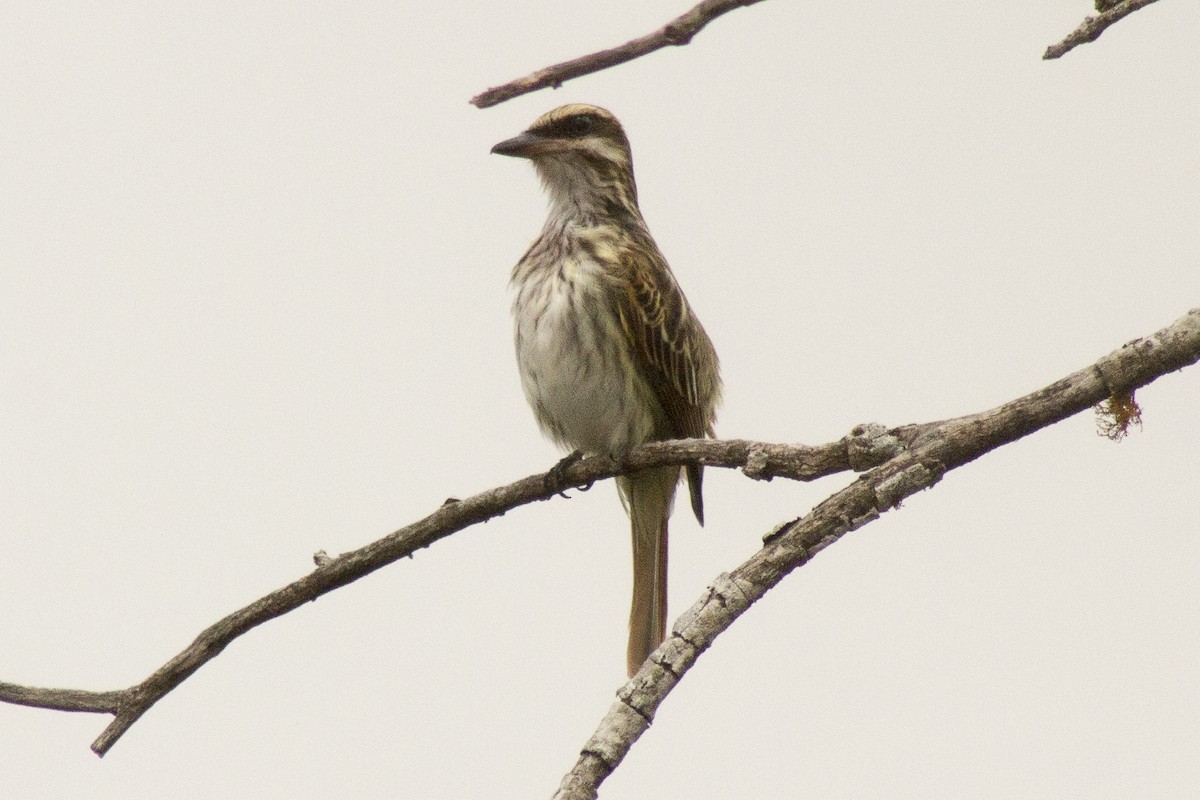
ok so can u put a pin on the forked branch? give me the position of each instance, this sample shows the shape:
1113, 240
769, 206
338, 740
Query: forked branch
934, 450
908, 459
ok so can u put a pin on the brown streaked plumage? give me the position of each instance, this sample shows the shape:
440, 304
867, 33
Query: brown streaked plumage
610, 354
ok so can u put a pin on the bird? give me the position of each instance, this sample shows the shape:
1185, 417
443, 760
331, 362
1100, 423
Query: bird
610, 353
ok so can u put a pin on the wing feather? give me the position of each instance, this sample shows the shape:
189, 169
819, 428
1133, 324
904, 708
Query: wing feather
670, 348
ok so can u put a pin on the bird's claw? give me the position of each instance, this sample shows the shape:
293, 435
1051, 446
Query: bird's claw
556, 476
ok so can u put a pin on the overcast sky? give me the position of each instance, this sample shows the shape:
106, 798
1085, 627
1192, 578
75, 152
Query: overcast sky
253, 303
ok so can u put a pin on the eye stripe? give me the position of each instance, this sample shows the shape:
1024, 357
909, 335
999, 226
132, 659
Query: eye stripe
572, 127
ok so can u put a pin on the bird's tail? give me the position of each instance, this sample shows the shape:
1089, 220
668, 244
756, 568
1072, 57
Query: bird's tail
648, 495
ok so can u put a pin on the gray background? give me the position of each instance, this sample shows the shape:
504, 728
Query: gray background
253, 268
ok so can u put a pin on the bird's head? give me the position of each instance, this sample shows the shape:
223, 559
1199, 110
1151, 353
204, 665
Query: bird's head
583, 157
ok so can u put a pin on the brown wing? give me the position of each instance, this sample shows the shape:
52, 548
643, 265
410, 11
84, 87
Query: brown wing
671, 349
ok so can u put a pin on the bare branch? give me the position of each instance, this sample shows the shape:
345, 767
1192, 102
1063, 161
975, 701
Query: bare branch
866, 446
61, 699
913, 457
677, 32
1090, 29
933, 451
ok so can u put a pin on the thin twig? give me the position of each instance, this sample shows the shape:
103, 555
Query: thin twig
1090, 29
678, 31
936, 449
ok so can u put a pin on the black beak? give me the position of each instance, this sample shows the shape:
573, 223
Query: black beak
523, 146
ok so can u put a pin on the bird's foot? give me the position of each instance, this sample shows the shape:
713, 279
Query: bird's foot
557, 475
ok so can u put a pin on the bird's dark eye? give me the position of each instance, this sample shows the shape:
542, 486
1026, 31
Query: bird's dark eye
579, 125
